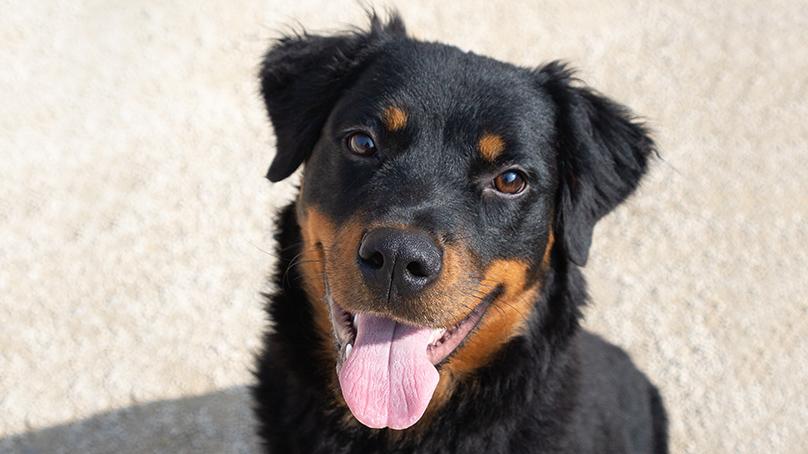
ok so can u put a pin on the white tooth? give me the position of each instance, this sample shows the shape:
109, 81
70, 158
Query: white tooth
354, 319
348, 349
436, 334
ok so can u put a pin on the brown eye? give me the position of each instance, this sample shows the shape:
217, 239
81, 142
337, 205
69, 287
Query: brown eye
510, 182
361, 144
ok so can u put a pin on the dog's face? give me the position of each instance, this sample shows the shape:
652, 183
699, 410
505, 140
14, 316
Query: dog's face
436, 183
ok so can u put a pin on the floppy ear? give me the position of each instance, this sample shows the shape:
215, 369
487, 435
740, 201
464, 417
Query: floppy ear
302, 77
602, 154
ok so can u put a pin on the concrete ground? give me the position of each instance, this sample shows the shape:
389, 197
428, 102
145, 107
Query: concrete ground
134, 219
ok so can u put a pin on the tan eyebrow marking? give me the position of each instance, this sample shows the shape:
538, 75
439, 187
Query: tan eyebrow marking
491, 146
394, 118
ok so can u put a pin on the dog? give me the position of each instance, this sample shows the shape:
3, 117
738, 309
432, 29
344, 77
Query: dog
428, 283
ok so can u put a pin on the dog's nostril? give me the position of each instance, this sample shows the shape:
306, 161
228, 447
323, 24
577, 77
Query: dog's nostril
417, 269
376, 260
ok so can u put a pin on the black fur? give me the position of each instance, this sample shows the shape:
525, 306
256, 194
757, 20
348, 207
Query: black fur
604, 155
554, 389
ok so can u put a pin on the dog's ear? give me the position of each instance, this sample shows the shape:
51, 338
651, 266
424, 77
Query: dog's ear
302, 77
602, 154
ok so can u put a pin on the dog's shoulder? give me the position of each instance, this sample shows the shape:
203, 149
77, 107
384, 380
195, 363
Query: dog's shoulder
619, 410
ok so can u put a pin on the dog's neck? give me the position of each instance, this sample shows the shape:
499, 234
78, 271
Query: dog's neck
548, 341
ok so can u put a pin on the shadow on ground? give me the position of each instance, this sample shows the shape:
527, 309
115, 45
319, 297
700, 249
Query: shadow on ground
219, 422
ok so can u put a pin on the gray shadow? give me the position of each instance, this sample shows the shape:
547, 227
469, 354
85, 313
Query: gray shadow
219, 422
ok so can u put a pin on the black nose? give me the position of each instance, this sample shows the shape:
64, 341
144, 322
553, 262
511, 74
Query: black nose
400, 261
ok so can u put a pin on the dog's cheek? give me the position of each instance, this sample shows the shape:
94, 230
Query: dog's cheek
502, 320
317, 231
509, 312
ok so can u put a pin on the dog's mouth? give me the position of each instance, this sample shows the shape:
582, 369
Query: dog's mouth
442, 341
388, 370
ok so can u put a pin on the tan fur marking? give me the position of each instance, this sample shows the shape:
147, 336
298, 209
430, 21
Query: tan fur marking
318, 232
502, 320
491, 146
394, 118
545, 261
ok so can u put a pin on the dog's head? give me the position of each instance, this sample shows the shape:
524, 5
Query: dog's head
437, 182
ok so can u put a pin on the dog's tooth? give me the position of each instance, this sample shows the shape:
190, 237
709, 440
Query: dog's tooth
348, 349
436, 335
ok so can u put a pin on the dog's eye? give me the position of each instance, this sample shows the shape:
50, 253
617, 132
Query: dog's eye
510, 182
361, 144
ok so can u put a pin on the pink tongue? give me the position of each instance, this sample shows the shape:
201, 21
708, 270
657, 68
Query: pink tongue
388, 380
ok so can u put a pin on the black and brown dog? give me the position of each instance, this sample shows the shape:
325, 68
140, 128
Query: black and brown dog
428, 284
